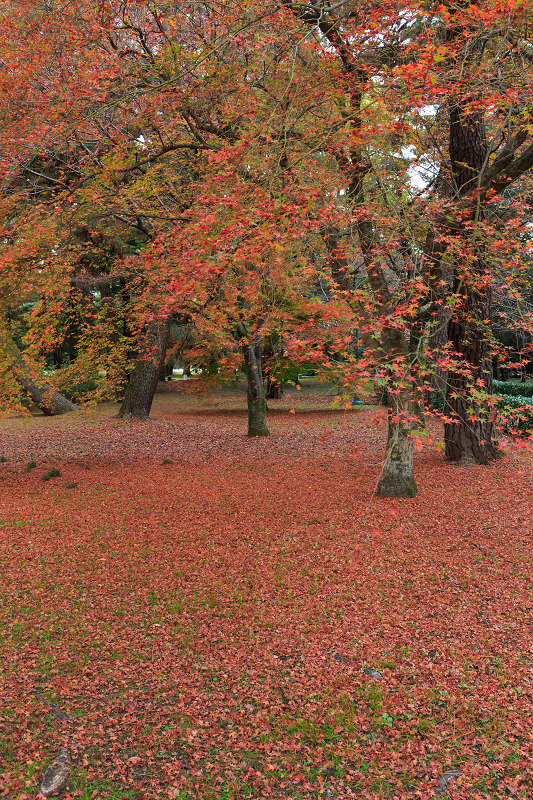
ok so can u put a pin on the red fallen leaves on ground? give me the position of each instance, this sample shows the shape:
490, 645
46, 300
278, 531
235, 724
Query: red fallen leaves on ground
205, 624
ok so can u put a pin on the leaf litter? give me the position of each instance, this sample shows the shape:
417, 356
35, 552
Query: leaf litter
250, 621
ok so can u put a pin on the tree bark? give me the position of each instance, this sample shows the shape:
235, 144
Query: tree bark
255, 394
51, 402
469, 436
274, 389
438, 336
271, 354
398, 477
142, 383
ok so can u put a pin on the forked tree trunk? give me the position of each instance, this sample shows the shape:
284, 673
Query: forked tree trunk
398, 477
255, 394
143, 379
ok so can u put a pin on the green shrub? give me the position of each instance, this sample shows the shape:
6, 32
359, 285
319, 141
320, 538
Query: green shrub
513, 389
290, 373
30, 465
52, 473
77, 392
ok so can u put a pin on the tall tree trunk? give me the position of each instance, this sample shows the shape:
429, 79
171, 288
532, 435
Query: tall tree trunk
255, 394
469, 436
142, 383
51, 402
398, 476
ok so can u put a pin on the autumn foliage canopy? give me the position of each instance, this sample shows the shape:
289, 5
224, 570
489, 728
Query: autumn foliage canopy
339, 184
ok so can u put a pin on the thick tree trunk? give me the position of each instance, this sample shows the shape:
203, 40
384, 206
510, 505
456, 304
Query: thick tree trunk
142, 383
398, 477
469, 436
256, 397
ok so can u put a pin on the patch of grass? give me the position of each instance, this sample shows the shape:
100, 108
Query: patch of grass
71, 485
30, 465
3, 459
52, 473
91, 788
374, 697
167, 461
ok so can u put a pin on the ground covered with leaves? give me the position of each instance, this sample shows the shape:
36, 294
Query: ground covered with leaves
196, 615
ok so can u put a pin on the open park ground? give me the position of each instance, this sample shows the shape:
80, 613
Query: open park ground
197, 615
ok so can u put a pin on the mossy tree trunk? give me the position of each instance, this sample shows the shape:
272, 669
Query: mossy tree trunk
143, 379
255, 393
398, 477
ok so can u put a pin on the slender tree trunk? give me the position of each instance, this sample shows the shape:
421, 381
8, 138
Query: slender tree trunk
437, 339
256, 396
271, 353
398, 477
51, 402
274, 389
142, 383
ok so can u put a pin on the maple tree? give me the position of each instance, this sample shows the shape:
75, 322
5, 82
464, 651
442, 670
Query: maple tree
211, 129
187, 612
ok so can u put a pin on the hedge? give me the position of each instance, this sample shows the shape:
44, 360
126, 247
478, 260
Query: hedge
513, 389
